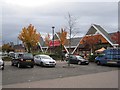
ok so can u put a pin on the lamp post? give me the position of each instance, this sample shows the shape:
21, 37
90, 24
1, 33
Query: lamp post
69, 46
53, 36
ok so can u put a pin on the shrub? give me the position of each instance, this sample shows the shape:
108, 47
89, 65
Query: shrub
7, 58
55, 56
92, 58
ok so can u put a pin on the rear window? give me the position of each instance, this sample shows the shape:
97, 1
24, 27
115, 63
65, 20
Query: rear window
18, 55
72, 57
79, 57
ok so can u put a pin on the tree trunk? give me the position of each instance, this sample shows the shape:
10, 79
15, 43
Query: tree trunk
29, 47
61, 52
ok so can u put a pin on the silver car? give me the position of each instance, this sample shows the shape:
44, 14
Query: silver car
1, 64
44, 60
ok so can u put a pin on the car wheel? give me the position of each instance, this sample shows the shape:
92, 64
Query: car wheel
38, 64
12, 64
98, 63
41, 64
79, 62
3, 68
87, 64
18, 65
32, 66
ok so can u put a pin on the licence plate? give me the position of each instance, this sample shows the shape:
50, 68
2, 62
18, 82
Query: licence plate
28, 60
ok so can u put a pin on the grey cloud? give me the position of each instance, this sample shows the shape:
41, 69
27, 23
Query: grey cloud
15, 17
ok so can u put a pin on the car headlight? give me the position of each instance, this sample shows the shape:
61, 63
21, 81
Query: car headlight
1, 62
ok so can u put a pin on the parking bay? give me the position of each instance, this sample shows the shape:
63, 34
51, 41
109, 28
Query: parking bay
12, 74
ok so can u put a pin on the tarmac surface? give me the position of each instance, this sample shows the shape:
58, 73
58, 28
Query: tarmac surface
97, 80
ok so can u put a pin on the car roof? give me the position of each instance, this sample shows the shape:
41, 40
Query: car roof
76, 55
19, 52
42, 55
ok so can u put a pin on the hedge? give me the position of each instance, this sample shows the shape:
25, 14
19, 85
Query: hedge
7, 58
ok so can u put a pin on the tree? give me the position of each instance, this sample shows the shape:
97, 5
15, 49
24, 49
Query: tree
7, 47
72, 22
29, 36
47, 39
116, 37
63, 39
63, 36
72, 25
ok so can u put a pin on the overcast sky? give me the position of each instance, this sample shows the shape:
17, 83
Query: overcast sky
16, 14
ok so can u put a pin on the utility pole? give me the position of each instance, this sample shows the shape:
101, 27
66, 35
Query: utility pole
53, 37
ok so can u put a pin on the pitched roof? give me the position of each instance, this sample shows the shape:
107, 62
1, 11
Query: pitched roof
97, 28
74, 41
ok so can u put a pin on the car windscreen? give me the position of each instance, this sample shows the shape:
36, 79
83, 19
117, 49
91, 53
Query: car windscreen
45, 57
18, 55
101, 55
27, 55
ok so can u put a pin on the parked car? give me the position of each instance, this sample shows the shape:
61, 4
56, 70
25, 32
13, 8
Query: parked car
1, 64
44, 60
23, 59
2, 54
11, 54
76, 59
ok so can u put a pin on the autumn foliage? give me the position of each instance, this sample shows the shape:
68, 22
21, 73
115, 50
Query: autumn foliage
93, 39
7, 47
90, 41
116, 37
63, 36
29, 36
47, 39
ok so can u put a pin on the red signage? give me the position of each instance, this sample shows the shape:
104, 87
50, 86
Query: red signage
56, 43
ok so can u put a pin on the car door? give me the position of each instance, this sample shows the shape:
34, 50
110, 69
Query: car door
72, 59
36, 59
104, 59
15, 59
75, 61
39, 60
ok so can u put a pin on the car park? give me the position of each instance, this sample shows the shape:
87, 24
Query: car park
76, 59
1, 64
23, 59
44, 60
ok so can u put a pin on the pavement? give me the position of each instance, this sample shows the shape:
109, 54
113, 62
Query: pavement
97, 80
